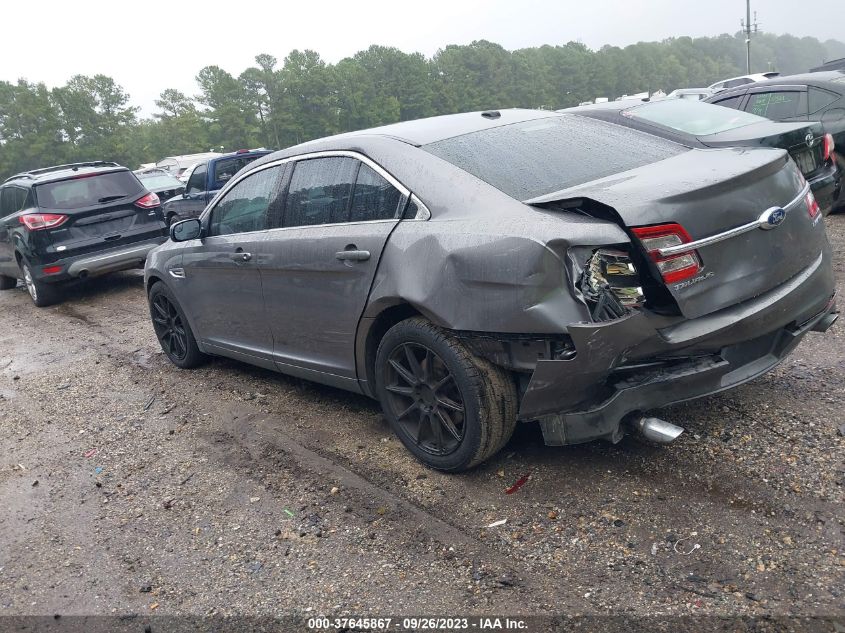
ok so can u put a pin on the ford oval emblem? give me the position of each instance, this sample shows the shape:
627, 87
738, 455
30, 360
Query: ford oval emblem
772, 218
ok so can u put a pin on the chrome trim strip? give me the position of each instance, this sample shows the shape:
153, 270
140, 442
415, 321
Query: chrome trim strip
324, 154
730, 233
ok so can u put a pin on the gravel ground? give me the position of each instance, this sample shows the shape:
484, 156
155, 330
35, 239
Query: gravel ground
129, 486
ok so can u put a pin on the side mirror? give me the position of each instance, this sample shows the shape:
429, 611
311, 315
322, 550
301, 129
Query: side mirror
186, 230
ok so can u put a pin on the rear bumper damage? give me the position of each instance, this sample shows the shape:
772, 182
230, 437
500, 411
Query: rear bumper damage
642, 361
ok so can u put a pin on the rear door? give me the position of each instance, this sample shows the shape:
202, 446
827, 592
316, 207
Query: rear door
222, 284
8, 219
102, 210
338, 214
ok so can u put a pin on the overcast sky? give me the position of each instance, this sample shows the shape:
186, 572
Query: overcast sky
149, 46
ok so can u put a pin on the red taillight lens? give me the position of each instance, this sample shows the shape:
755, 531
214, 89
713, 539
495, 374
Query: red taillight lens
829, 146
38, 221
674, 268
51, 270
812, 206
148, 202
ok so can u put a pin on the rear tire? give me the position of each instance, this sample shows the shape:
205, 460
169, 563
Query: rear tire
451, 409
7, 283
172, 329
42, 294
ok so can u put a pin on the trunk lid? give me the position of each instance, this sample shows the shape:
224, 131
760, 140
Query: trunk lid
101, 213
707, 192
804, 141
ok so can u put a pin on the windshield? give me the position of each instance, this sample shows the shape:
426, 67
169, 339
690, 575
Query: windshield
534, 158
87, 190
159, 181
692, 117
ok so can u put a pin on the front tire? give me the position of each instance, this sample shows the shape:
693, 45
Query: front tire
173, 218
172, 329
42, 294
451, 409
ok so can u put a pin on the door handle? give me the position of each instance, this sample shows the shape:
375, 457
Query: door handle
242, 257
353, 256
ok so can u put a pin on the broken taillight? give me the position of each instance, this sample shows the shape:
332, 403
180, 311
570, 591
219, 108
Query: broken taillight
38, 221
673, 268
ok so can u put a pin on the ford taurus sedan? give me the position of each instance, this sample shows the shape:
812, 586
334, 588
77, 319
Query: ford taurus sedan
477, 270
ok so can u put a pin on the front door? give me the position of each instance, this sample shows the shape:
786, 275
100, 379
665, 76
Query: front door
321, 261
222, 279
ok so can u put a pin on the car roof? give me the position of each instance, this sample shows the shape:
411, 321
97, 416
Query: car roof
430, 130
823, 78
61, 172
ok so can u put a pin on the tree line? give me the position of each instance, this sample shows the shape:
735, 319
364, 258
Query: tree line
277, 105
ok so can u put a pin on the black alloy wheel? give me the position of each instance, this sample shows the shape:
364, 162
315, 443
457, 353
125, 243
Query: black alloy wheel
169, 328
425, 399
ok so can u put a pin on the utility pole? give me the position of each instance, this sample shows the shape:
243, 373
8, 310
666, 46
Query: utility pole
746, 24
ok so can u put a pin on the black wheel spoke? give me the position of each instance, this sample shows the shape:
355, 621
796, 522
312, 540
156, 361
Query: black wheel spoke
448, 403
442, 382
407, 411
446, 423
402, 391
407, 376
169, 328
414, 364
162, 312
437, 428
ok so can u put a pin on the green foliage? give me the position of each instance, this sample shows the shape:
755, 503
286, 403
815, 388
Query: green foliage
276, 106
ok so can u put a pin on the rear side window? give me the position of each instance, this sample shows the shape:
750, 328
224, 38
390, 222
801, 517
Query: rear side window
820, 99
320, 191
244, 207
775, 105
374, 197
88, 190
534, 158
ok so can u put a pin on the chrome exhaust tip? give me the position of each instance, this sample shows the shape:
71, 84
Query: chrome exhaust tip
657, 430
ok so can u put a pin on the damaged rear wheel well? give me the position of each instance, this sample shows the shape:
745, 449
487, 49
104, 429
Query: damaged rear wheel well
383, 322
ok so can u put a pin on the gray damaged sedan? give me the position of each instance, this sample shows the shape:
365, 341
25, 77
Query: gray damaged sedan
478, 270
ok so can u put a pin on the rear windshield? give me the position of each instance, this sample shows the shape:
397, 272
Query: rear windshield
534, 158
159, 181
87, 190
692, 117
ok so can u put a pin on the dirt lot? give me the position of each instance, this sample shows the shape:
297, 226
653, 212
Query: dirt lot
129, 486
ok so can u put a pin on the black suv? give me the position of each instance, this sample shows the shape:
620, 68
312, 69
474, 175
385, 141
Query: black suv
68, 222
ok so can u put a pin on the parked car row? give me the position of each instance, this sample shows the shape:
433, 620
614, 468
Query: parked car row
573, 269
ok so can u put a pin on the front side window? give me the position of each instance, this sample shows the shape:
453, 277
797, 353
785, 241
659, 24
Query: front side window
774, 105
196, 181
244, 207
374, 198
320, 191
